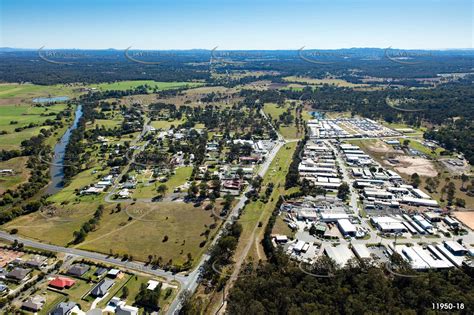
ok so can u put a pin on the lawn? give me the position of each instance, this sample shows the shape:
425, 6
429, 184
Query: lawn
54, 229
24, 93
330, 81
139, 230
52, 299
180, 177
126, 85
287, 131
18, 165
166, 124
257, 211
13, 140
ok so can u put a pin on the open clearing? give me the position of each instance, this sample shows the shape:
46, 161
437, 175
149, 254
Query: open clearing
17, 116
126, 85
139, 230
466, 217
20, 176
14, 93
410, 165
330, 81
287, 131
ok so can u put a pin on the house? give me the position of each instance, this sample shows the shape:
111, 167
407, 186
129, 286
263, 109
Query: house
152, 284
100, 271
18, 273
102, 287
78, 270
64, 308
34, 303
114, 273
7, 172
36, 262
3, 287
61, 283
126, 310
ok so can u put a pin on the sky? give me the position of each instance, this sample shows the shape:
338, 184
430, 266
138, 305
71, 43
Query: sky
236, 25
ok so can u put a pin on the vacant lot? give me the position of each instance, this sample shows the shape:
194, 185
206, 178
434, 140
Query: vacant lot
288, 131
140, 229
466, 217
56, 225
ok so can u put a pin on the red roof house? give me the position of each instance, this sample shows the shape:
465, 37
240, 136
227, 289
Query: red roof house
61, 283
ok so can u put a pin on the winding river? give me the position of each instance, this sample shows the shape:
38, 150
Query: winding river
56, 171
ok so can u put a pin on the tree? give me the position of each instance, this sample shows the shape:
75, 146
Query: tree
343, 191
464, 179
162, 189
415, 180
125, 292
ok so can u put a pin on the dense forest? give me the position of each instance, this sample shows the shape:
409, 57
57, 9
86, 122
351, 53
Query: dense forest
282, 288
93, 66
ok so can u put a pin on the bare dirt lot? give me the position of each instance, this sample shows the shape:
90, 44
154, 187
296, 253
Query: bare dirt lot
381, 147
466, 217
421, 166
7, 256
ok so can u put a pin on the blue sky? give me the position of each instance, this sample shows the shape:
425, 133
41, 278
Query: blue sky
231, 24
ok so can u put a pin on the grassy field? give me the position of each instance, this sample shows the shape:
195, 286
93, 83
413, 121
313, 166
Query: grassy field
18, 165
330, 81
13, 93
180, 177
166, 124
23, 115
54, 229
287, 131
144, 233
260, 212
126, 85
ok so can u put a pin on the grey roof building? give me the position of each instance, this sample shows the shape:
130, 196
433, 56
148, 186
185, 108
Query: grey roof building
78, 270
18, 273
63, 308
102, 287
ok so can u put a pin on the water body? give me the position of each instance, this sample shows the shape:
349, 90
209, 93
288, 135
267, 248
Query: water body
56, 171
51, 99
317, 115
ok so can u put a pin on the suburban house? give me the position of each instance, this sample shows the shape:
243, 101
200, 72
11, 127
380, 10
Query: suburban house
126, 310
100, 271
18, 274
64, 308
114, 273
78, 270
102, 287
34, 303
61, 283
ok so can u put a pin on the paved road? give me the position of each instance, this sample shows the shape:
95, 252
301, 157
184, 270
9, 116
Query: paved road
188, 281
191, 282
